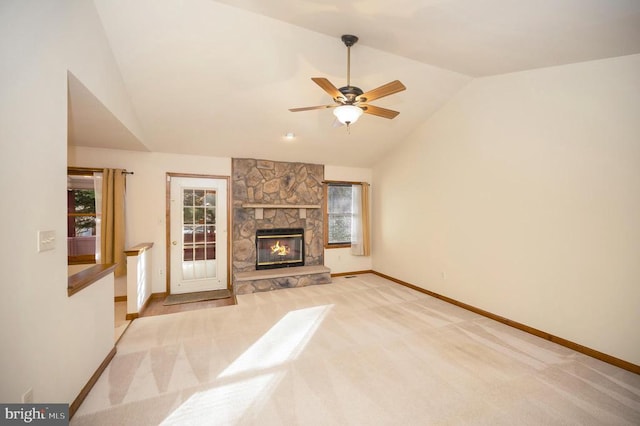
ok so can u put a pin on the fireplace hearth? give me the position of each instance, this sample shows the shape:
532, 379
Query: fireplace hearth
279, 248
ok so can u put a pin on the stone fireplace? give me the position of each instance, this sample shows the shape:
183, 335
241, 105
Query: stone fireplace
272, 195
279, 248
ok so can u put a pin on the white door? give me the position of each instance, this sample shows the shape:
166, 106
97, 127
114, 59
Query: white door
198, 234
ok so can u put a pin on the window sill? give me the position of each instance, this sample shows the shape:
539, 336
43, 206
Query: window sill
333, 246
85, 278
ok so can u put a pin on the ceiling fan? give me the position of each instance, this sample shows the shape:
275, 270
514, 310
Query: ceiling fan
350, 101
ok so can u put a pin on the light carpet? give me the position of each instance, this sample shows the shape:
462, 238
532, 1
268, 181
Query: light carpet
359, 351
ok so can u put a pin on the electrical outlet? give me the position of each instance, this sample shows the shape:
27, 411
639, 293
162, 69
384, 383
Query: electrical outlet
27, 397
443, 274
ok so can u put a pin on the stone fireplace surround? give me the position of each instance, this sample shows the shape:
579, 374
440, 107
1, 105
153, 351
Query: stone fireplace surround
258, 186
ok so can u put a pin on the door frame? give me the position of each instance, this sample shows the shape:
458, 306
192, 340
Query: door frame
169, 176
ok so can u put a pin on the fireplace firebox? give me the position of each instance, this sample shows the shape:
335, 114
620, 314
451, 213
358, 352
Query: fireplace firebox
279, 248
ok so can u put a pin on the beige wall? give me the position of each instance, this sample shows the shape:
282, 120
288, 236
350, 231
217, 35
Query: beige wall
522, 197
52, 343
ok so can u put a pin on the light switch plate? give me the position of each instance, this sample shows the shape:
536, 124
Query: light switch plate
46, 240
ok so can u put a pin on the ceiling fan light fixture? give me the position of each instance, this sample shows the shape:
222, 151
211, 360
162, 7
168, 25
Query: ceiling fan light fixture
349, 102
347, 114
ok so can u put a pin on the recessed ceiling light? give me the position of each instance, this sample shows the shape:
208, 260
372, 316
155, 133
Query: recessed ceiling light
289, 136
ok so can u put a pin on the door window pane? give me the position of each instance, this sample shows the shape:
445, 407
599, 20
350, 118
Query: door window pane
210, 199
187, 215
211, 215
199, 216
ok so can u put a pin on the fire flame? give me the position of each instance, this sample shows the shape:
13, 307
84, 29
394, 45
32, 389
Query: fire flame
280, 250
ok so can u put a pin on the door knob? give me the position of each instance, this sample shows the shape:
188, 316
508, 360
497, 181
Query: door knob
175, 243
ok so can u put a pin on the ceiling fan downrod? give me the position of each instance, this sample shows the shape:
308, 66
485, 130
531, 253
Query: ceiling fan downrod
349, 40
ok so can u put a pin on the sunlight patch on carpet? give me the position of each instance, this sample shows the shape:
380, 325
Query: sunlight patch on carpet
238, 387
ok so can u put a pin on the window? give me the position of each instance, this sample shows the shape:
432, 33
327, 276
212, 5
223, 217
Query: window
81, 217
199, 224
338, 214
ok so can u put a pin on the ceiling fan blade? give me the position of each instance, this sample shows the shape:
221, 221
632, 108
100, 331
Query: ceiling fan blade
382, 91
328, 87
311, 108
380, 112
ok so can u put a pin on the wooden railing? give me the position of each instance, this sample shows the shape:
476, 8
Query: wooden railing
86, 277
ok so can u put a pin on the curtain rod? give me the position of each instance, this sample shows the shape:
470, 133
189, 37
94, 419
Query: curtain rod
343, 182
93, 169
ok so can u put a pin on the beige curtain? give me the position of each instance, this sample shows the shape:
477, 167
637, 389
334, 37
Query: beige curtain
366, 229
360, 236
112, 224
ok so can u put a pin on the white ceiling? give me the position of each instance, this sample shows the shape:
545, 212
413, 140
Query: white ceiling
217, 77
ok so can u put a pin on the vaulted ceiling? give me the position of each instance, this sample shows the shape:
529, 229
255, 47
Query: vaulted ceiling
217, 78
